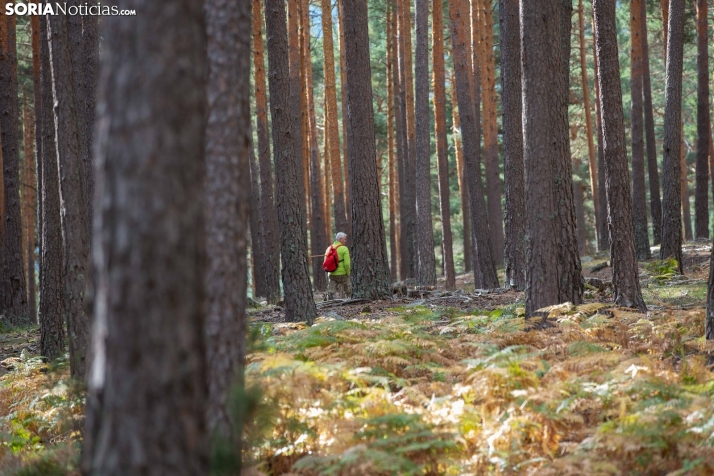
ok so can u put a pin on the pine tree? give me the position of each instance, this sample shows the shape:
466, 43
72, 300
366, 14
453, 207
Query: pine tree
701, 203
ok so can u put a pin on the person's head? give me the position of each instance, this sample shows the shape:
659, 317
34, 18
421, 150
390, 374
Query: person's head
341, 237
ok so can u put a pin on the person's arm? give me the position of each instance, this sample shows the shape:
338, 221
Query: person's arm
346, 260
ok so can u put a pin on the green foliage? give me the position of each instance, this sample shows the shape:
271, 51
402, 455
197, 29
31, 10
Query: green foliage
662, 270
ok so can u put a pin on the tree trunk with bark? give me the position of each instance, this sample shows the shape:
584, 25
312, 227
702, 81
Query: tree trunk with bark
73, 194
13, 293
513, 171
345, 118
701, 197
652, 167
370, 271
52, 301
625, 279
229, 146
671, 169
29, 207
483, 263
442, 153
463, 180
147, 385
270, 232
332, 131
37, 105
257, 224
639, 199
686, 208
426, 271
392, 83
299, 303
604, 233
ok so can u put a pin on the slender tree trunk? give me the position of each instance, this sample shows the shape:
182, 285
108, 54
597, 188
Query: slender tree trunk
592, 161
579, 203
426, 271
370, 272
569, 267
331, 120
392, 195
604, 233
686, 209
490, 129
483, 263
701, 198
226, 206
318, 240
463, 180
29, 184
150, 273
37, 104
13, 294
625, 279
52, 301
671, 168
652, 167
639, 199
73, 194
271, 263
513, 171
711, 154
90, 60
345, 118
442, 153
709, 324
257, 224
540, 56
299, 303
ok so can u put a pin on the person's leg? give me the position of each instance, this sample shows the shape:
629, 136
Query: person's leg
331, 288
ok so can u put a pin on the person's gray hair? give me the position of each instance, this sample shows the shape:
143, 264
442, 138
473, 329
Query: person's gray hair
340, 235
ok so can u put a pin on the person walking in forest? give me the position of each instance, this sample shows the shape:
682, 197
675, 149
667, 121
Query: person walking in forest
337, 265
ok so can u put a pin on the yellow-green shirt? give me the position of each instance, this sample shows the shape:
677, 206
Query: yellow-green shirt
343, 258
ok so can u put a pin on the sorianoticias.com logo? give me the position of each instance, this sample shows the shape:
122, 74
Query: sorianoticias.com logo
64, 9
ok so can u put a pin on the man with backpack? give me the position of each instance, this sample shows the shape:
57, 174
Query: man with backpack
337, 265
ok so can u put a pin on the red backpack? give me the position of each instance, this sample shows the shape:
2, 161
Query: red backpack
331, 259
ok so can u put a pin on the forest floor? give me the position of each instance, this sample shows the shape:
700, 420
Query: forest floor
449, 382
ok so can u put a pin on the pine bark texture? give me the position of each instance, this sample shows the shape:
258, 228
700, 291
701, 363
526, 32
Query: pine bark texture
671, 171
625, 279
270, 232
686, 208
426, 271
37, 114
540, 56
257, 224
370, 271
345, 118
147, 386
442, 153
639, 200
652, 167
490, 129
228, 148
13, 293
392, 82
73, 194
299, 303
296, 108
463, 181
483, 263
604, 234
332, 130
29, 207
52, 302
701, 197
512, 104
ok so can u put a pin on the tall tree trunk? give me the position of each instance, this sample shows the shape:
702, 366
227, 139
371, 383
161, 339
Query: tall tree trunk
73, 194
304, 116
569, 267
652, 167
29, 184
270, 232
483, 263
579, 203
540, 56
150, 273
671, 169
592, 160
52, 301
392, 195
639, 199
701, 198
37, 105
686, 209
226, 206
604, 234
257, 224
426, 272
90, 60
345, 118
490, 129
332, 131
318, 240
625, 279
442, 153
463, 180
370, 275
513, 171
13, 294
299, 303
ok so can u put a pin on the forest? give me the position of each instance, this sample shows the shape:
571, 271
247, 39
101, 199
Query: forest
356, 237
